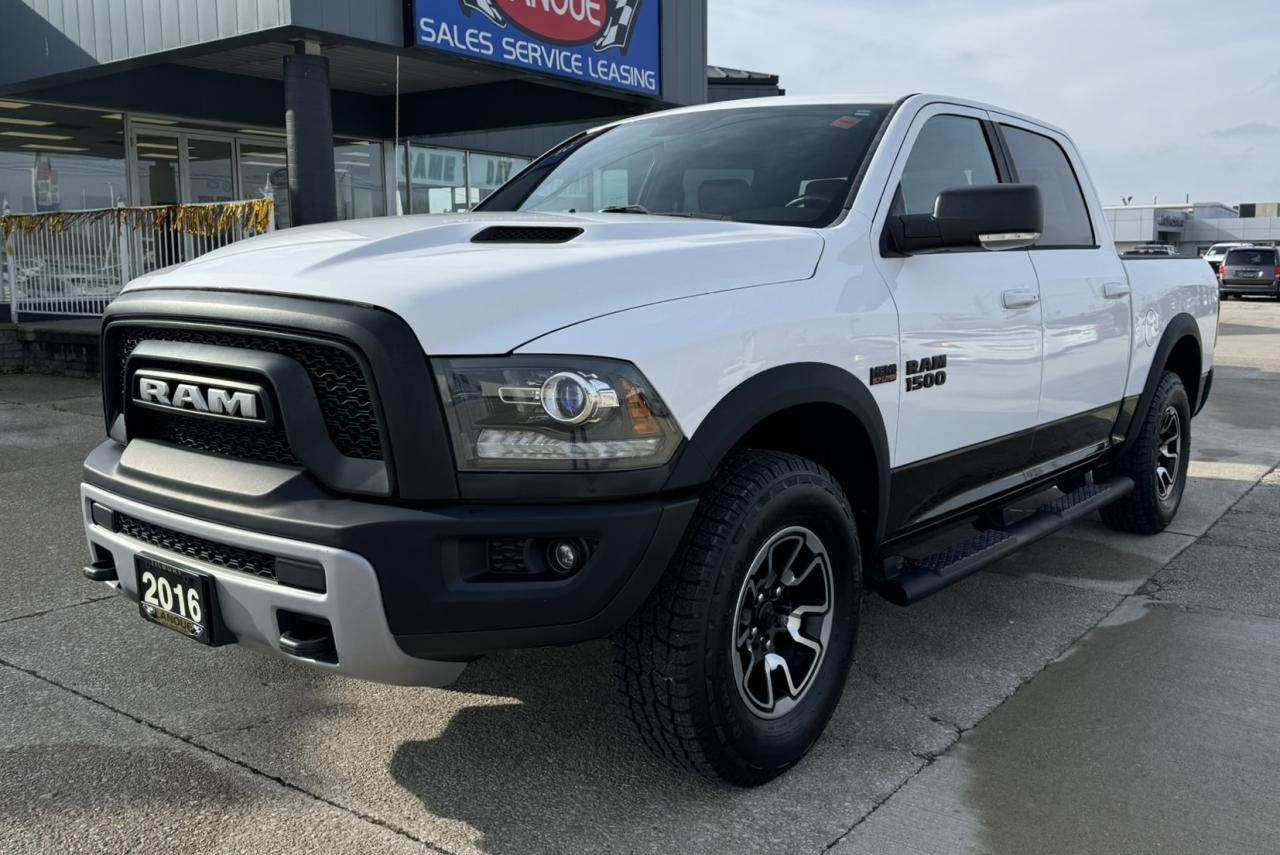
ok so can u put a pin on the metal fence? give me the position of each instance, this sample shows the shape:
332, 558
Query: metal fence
74, 263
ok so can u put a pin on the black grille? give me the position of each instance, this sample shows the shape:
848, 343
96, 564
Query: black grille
220, 555
228, 439
346, 402
526, 234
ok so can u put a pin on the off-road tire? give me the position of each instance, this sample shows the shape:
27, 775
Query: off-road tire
675, 658
1145, 511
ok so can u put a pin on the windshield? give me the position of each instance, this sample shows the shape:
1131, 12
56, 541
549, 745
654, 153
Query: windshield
1252, 257
778, 165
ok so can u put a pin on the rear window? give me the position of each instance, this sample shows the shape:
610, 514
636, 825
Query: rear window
1039, 160
1251, 257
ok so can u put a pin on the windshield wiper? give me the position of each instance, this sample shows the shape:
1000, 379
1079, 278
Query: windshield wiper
641, 209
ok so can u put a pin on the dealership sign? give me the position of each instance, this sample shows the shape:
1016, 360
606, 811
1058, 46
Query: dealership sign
614, 43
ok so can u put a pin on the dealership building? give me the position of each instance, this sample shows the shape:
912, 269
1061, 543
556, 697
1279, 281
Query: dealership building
333, 108
1193, 227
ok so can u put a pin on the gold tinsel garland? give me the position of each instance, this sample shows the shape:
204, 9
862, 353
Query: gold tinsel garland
253, 216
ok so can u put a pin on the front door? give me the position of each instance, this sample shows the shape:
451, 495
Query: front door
971, 332
208, 166
158, 177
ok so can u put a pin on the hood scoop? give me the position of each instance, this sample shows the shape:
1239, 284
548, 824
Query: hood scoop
526, 234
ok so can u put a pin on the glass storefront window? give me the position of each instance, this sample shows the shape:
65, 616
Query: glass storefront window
60, 158
209, 170
260, 164
447, 181
358, 170
488, 172
157, 180
437, 180
63, 158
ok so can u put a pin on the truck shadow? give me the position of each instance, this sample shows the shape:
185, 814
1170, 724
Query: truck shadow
555, 767
544, 760
1230, 329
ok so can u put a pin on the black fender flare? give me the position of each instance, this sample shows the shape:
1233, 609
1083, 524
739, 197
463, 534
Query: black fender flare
1181, 326
770, 392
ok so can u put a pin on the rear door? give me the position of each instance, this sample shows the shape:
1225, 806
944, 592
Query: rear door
1084, 293
970, 329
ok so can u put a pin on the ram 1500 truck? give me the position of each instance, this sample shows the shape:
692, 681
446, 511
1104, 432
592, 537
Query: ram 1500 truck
692, 381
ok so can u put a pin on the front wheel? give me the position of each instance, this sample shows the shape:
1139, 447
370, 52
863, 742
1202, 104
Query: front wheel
1156, 458
735, 664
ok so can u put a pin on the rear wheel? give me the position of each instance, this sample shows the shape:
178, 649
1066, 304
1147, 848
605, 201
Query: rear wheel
735, 664
1156, 459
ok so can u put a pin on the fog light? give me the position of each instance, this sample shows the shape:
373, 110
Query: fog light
566, 556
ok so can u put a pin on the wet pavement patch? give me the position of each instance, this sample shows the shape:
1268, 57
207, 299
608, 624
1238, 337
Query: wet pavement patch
1160, 733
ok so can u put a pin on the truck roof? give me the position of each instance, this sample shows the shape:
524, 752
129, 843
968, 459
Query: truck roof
912, 101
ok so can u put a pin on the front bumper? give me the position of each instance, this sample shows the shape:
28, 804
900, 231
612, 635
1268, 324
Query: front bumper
351, 603
406, 588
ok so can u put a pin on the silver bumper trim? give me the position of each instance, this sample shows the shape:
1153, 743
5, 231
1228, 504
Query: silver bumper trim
352, 602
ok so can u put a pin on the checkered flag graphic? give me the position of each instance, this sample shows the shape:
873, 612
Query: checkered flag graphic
617, 27
488, 8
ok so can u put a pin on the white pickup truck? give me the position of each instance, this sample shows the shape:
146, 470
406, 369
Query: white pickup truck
692, 381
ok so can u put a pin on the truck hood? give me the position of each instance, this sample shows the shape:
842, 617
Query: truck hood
481, 298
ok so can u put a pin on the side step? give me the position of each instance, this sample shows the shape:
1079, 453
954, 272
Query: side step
917, 578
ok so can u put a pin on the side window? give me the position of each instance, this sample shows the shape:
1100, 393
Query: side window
1039, 160
951, 151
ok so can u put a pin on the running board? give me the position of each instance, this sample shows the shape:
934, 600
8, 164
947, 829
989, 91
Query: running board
917, 578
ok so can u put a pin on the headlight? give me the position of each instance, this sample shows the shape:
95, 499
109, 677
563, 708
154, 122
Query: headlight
553, 413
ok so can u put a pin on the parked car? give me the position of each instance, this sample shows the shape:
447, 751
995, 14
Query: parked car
1250, 270
692, 381
1147, 249
1218, 251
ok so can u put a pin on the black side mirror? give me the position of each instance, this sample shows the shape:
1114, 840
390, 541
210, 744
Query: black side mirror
991, 216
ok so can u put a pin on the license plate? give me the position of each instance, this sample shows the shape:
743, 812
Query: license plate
178, 599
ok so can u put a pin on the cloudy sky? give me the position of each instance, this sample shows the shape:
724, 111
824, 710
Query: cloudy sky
1164, 98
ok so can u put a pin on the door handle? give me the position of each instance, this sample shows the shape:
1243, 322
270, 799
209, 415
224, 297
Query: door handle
1019, 299
1115, 290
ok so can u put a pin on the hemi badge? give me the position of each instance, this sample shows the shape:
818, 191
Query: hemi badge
884, 374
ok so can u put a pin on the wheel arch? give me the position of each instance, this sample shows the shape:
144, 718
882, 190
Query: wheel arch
816, 410
1180, 350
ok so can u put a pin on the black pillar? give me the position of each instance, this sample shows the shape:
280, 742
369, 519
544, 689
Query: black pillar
308, 124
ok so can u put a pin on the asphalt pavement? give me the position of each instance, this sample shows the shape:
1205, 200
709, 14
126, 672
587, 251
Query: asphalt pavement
1095, 693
